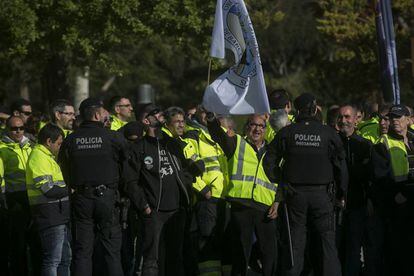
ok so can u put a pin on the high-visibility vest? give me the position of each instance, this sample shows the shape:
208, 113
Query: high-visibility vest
43, 173
116, 123
248, 179
399, 158
14, 157
370, 130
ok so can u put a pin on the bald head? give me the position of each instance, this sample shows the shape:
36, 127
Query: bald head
15, 128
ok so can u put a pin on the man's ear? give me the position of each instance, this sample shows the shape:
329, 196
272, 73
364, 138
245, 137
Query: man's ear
48, 142
117, 109
57, 115
146, 122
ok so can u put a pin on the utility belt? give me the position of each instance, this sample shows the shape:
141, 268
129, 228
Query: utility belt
98, 191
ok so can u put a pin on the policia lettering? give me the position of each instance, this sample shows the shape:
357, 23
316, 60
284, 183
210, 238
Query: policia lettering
310, 140
89, 142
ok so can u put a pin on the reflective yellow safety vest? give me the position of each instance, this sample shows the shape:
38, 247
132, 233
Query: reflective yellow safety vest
216, 175
248, 179
13, 159
43, 173
66, 132
370, 130
116, 123
399, 158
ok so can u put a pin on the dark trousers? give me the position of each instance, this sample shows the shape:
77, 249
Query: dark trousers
400, 240
22, 236
210, 222
312, 206
131, 251
367, 232
163, 243
96, 222
248, 223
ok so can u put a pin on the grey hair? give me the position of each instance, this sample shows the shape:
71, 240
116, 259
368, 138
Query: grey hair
279, 119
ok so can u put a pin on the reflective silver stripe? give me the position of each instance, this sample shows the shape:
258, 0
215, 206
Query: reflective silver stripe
46, 187
400, 178
210, 159
21, 174
41, 199
213, 168
250, 178
15, 187
240, 156
49, 178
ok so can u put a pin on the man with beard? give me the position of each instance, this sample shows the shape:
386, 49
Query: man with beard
63, 115
362, 225
162, 195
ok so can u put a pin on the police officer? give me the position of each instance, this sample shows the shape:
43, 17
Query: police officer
92, 160
310, 154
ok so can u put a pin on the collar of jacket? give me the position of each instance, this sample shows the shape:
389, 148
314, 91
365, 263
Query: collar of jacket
92, 124
305, 118
394, 135
11, 143
44, 149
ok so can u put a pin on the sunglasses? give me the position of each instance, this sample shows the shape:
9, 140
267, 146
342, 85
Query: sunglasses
259, 126
68, 113
27, 113
17, 128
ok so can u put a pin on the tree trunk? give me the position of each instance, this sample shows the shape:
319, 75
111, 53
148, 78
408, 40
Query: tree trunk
81, 86
55, 82
24, 91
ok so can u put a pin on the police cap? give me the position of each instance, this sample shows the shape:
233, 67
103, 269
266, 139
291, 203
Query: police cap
90, 102
398, 110
304, 101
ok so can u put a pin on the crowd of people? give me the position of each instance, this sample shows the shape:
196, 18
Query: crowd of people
115, 190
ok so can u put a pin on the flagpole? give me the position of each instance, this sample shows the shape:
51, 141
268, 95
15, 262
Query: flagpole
209, 70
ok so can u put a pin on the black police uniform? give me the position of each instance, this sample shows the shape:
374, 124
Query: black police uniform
311, 152
92, 160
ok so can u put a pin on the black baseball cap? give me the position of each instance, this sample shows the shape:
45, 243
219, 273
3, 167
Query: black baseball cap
399, 110
304, 101
278, 99
90, 102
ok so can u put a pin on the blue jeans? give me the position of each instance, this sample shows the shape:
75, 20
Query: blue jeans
56, 252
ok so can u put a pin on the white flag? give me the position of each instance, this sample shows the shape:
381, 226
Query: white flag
241, 89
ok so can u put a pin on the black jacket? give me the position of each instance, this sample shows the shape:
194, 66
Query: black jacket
358, 160
93, 155
312, 154
145, 161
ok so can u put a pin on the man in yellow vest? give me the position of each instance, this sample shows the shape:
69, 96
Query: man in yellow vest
121, 109
251, 194
393, 160
49, 201
14, 152
63, 115
209, 208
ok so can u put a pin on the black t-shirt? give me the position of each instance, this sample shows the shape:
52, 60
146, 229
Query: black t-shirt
170, 191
